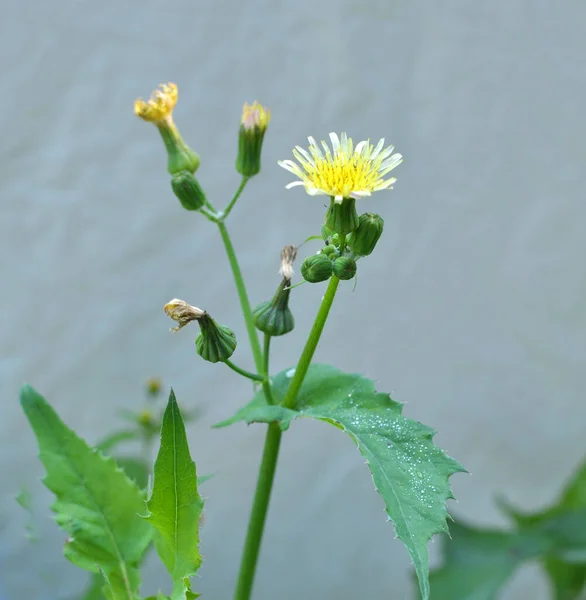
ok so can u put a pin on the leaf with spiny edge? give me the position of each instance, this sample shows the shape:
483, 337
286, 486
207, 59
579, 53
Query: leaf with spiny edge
95, 503
175, 505
409, 472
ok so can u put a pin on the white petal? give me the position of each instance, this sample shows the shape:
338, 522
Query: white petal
305, 155
314, 148
360, 147
386, 152
378, 148
293, 184
338, 199
335, 142
327, 150
360, 194
313, 191
391, 163
292, 168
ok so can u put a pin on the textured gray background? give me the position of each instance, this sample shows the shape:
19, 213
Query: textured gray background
471, 311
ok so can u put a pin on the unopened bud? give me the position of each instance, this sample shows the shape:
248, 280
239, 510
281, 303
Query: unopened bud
253, 125
215, 343
316, 268
364, 239
344, 267
342, 217
188, 190
329, 250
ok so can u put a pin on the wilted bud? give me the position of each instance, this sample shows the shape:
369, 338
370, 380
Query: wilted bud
159, 110
275, 318
215, 342
253, 125
344, 267
342, 217
316, 268
364, 239
182, 312
188, 190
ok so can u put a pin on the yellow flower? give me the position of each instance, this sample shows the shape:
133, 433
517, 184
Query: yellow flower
255, 115
160, 105
345, 171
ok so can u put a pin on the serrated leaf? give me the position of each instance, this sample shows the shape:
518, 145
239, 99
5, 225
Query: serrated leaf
136, 469
410, 473
175, 505
565, 524
95, 502
478, 562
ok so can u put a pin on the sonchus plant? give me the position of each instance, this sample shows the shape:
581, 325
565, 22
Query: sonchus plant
111, 521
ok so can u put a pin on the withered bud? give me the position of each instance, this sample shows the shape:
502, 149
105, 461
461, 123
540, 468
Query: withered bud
182, 312
288, 256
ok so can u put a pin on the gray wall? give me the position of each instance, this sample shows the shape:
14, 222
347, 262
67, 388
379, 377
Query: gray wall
471, 311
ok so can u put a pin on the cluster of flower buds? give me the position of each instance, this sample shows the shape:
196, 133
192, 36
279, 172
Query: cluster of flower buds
183, 161
215, 343
275, 317
333, 259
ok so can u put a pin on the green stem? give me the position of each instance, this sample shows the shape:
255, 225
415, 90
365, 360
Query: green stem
224, 214
258, 514
266, 354
311, 344
243, 296
271, 451
244, 372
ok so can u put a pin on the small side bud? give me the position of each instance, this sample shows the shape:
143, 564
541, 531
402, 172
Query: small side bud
344, 267
187, 188
342, 217
316, 268
364, 239
275, 317
159, 111
215, 343
253, 125
329, 250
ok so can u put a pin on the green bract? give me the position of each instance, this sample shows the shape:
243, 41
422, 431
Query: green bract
187, 188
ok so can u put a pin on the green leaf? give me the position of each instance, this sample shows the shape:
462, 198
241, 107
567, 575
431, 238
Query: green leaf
94, 589
478, 562
410, 473
565, 524
137, 469
175, 505
117, 437
95, 502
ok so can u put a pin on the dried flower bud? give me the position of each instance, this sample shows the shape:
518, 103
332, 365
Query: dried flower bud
188, 190
344, 267
316, 268
182, 312
253, 125
364, 239
288, 256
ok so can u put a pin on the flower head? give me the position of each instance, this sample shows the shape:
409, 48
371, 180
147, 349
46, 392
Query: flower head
344, 171
159, 106
255, 116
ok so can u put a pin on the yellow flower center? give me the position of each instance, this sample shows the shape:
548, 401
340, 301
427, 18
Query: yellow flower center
160, 105
342, 175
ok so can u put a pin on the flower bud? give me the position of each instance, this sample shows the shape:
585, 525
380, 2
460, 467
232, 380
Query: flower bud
215, 342
253, 125
364, 239
344, 267
188, 190
159, 111
275, 318
316, 268
329, 250
342, 217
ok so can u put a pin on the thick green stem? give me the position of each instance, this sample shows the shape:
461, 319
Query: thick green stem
243, 296
271, 451
244, 372
258, 514
311, 344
